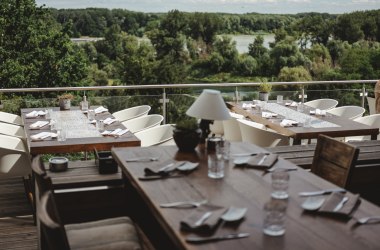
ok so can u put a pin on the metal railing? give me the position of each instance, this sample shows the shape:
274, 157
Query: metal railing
238, 88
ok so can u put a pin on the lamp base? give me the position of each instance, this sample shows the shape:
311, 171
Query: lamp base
204, 125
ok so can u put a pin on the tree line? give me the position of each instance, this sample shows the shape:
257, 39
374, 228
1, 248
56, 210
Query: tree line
36, 51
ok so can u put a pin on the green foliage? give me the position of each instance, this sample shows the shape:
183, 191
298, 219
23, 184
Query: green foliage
187, 123
265, 86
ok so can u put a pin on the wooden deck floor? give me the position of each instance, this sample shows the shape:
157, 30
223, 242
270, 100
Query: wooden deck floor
17, 230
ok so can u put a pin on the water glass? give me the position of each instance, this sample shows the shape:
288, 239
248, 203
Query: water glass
91, 114
280, 183
226, 145
53, 124
61, 134
215, 165
300, 107
280, 99
100, 125
274, 218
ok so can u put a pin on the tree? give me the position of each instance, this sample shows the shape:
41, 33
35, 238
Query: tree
34, 50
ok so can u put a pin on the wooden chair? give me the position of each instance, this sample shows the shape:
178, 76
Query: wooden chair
111, 233
334, 160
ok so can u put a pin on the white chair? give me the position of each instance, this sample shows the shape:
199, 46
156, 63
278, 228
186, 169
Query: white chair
160, 135
217, 128
130, 113
371, 105
10, 118
370, 120
14, 158
144, 122
12, 130
323, 104
231, 128
256, 133
349, 112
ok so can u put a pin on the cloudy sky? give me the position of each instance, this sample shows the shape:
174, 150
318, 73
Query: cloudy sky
230, 6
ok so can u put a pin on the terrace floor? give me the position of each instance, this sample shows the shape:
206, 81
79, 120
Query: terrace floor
17, 230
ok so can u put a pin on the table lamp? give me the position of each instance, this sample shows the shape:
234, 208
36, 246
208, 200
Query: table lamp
209, 106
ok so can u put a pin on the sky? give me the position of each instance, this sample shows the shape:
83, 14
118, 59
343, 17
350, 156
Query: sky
227, 6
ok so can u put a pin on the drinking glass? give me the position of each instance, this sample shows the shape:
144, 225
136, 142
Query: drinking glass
300, 107
91, 115
100, 125
280, 183
274, 217
61, 134
280, 99
216, 164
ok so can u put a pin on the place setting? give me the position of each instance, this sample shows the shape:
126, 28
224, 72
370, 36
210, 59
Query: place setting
35, 114
38, 124
168, 169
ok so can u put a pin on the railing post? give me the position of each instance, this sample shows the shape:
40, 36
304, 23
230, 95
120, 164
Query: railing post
164, 100
363, 94
236, 94
302, 93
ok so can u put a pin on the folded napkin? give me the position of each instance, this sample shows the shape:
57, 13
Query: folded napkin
318, 112
100, 109
116, 132
38, 124
291, 104
262, 160
163, 169
268, 115
190, 222
288, 123
43, 135
35, 114
109, 120
248, 105
334, 199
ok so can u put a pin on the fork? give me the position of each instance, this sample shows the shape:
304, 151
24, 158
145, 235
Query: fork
184, 204
153, 158
370, 219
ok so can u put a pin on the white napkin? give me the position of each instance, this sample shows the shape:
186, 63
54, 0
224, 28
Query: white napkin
109, 120
268, 115
291, 104
42, 136
318, 112
100, 109
34, 114
288, 123
38, 124
117, 132
248, 105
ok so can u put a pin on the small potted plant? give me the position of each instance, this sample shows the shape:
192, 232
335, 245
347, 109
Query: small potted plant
187, 134
65, 101
264, 89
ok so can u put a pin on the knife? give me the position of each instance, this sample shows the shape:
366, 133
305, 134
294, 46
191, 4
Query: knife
321, 192
262, 160
216, 238
203, 218
246, 154
341, 204
158, 177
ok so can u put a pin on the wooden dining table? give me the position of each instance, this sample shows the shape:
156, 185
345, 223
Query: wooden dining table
81, 140
330, 125
241, 187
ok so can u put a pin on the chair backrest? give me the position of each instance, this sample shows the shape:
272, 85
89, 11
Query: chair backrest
370, 120
53, 230
43, 181
324, 104
144, 122
256, 133
12, 130
156, 135
334, 160
14, 157
130, 113
371, 105
349, 112
10, 118
231, 128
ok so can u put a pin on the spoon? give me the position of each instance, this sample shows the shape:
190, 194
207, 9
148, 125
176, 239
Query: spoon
313, 203
370, 219
234, 214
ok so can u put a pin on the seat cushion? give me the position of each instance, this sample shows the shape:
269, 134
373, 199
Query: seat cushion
114, 233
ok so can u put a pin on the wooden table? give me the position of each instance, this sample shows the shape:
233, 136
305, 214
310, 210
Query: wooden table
345, 127
85, 144
241, 188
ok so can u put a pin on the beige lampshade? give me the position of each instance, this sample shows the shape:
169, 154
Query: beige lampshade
209, 106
